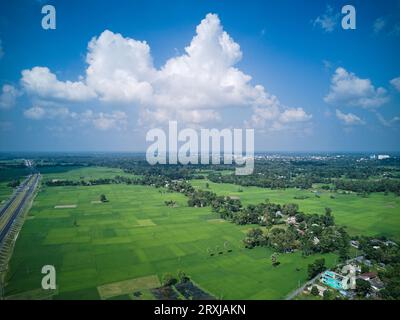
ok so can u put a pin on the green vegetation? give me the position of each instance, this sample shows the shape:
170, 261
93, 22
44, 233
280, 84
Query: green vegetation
136, 235
117, 228
376, 215
315, 268
5, 191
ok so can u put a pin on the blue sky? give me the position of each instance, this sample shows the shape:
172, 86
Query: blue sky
285, 68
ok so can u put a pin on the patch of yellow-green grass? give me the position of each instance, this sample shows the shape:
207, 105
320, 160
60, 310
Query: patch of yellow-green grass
216, 220
110, 290
145, 222
65, 206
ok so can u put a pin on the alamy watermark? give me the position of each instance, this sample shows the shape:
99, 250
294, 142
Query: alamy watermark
195, 150
49, 20
49, 280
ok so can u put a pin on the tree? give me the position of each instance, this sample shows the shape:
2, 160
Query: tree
182, 276
363, 287
343, 253
13, 184
315, 268
274, 259
392, 284
327, 295
314, 291
255, 237
328, 218
290, 209
364, 268
168, 279
103, 198
170, 203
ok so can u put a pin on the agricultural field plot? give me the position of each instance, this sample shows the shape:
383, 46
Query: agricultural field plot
5, 192
81, 173
135, 235
377, 214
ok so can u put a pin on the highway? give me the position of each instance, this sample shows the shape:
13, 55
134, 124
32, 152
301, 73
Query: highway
14, 196
17, 204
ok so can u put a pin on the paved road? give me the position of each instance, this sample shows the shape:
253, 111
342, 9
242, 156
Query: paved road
294, 293
19, 208
15, 194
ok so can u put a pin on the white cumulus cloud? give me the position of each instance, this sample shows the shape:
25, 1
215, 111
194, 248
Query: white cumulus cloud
35, 113
100, 120
349, 119
378, 25
192, 87
8, 96
388, 123
106, 121
348, 89
42, 82
327, 21
396, 83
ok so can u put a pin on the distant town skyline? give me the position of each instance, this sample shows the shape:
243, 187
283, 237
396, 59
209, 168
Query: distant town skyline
108, 73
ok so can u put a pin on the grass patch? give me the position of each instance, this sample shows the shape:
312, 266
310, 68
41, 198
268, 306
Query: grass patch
110, 290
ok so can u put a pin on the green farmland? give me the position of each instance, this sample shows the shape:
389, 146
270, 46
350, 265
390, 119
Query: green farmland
5, 191
136, 237
81, 173
377, 214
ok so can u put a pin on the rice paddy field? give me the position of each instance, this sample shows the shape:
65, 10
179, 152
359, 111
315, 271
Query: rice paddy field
80, 173
109, 250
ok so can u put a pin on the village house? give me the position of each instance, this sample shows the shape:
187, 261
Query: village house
291, 220
367, 276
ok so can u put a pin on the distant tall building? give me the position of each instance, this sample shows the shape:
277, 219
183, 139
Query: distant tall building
383, 156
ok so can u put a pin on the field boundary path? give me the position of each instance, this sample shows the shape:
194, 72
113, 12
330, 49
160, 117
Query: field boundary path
294, 293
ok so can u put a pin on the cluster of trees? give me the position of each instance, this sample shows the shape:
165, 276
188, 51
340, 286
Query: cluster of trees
157, 181
382, 250
262, 181
13, 183
368, 186
254, 238
315, 268
346, 173
168, 279
391, 278
91, 182
170, 203
309, 233
306, 182
379, 250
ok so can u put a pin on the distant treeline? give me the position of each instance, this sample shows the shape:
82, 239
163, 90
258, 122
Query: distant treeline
359, 186
262, 181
